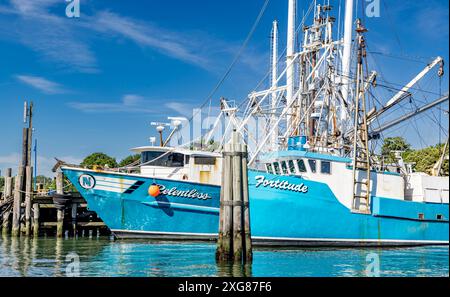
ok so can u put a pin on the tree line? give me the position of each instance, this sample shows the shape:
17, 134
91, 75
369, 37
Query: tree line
423, 160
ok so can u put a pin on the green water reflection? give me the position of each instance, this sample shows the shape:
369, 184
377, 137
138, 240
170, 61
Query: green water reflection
105, 257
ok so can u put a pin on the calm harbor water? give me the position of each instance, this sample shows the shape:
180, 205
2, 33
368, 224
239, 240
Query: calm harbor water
105, 257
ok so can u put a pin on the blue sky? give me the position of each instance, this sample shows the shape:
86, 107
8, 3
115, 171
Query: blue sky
99, 80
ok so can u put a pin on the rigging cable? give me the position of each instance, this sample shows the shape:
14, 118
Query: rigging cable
393, 26
236, 58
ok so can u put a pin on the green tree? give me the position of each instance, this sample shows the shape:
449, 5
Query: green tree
2, 183
391, 144
130, 159
426, 158
42, 179
99, 159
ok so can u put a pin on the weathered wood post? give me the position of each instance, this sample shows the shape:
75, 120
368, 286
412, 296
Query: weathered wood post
234, 224
8, 190
237, 200
223, 252
245, 199
28, 194
74, 218
25, 136
36, 213
59, 212
17, 202
30, 134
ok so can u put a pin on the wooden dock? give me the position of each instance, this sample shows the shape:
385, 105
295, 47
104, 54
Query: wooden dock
25, 212
35, 214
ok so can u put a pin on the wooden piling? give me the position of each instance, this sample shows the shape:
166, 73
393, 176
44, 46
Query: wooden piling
225, 234
246, 206
17, 202
8, 191
5, 222
36, 213
59, 212
74, 218
237, 203
29, 133
234, 241
25, 136
221, 209
28, 192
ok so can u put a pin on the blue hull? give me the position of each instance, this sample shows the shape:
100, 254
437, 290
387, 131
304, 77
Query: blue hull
308, 214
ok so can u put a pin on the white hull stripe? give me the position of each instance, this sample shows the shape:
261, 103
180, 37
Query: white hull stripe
113, 184
288, 238
109, 189
114, 180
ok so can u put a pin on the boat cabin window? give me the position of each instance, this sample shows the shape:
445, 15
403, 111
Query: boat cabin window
301, 166
204, 160
291, 166
325, 167
276, 168
312, 165
284, 167
162, 159
269, 168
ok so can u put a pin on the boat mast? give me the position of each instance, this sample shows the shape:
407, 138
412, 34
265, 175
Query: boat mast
290, 49
347, 48
274, 140
361, 154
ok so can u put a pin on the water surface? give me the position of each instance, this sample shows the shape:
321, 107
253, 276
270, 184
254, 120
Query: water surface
105, 257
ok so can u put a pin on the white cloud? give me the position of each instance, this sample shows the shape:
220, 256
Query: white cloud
35, 6
10, 161
66, 41
53, 37
191, 109
133, 103
132, 100
128, 103
144, 34
41, 84
181, 108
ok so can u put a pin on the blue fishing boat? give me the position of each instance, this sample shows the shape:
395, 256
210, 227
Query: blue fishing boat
313, 179
286, 209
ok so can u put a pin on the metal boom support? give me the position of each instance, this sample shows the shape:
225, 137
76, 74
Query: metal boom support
418, 111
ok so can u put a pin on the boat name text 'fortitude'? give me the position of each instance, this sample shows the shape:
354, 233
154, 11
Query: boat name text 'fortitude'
282, 185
